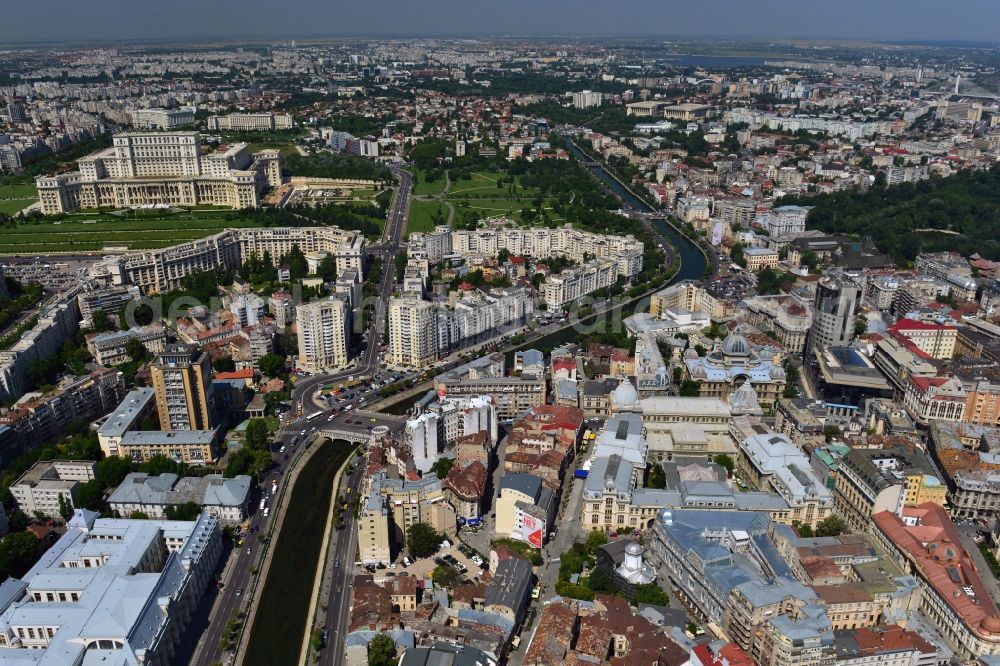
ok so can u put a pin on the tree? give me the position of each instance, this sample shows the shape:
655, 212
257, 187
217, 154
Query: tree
298, 267
112, 470
316, 640
442, 466
831, 526
445, 576
689, 388
18, 552
136, 350
257, 437
159, 464
736, 255
327, 268
185, 511
272, 365
90, 495
224, 364
598, 581
860, 324
811, 260
678, 375
138, 515
725, 461
595, 540
422, 540
650, 593
64, 507
99, 321
382, 651
657, 478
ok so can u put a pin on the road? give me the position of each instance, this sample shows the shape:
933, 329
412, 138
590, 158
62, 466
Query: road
235, 566
342, 554
338, 603
368, 363
234, 569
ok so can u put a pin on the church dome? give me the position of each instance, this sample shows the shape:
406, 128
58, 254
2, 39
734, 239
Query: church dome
744, 400
690, 353
625, 395
735, 345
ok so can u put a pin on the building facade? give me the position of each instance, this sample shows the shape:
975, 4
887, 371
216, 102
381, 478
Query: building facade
323, 334
167, 169
182, 381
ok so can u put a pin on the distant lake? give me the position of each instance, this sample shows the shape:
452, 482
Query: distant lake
693, 60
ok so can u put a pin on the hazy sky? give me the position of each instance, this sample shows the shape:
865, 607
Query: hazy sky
130, 19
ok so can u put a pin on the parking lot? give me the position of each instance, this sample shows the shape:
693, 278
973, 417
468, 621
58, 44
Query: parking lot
422, 569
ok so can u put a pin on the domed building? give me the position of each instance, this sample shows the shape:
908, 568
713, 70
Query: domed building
731, 365
625, 398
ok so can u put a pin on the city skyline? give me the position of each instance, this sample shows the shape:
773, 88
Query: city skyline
891, 20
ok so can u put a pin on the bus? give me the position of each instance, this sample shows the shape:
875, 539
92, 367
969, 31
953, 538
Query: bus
313, 417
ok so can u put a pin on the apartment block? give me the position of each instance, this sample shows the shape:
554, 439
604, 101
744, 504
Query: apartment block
157, 271
182, 381
39, 420
162, 119
110, 348
49, 488
323, 333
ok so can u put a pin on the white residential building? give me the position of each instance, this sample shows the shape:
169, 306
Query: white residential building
586, 99
413, 332
38, 491
323, 333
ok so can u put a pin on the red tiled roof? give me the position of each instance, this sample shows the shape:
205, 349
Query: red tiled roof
933, 546
245, 373
924, 383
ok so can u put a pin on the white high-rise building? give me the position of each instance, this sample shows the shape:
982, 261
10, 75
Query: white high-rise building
420, 331
421, 435
413, 332
586, 99
323, 334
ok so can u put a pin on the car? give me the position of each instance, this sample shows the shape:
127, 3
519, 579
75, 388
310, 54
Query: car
239, 592
248, 551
